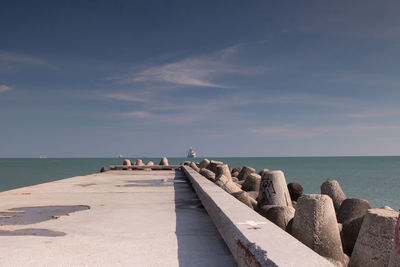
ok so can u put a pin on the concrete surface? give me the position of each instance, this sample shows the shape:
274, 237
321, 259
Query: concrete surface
136, 218
252, 239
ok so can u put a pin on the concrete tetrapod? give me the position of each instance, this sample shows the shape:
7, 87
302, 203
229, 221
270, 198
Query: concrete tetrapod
351, 229
204, 163
213, 165
352, 208
315, 225
332, 188
351, 215
295, 190
252, 182
243, 197
228, 185
127, 162
223, 170
236, 170
164, 161
234, 189
194, 167
375, 240
139, 162
150, 163
279, 215
273, 190
246, 170
208, 174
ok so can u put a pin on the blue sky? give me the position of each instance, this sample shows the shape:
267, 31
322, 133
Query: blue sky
230, 78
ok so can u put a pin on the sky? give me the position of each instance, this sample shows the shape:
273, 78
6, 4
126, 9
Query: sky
230, 78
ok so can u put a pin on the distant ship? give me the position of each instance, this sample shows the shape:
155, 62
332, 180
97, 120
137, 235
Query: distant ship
43, 157
191, 153
121, 156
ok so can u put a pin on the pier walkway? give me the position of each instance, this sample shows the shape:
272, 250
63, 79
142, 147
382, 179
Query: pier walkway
116, 218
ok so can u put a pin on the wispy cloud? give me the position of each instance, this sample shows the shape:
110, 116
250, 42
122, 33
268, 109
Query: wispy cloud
166, 111
11, 57
294, 98
241, 99
147, 117
288, 132
140, 115
298, 132
162, 108
370, 114
5, 88
198, 71
129, 97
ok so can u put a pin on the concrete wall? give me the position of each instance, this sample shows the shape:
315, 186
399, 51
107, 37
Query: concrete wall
252, 239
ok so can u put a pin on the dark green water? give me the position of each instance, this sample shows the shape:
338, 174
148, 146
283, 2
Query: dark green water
374, 178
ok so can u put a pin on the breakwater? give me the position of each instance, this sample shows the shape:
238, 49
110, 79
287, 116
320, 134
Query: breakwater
346, 231
264, 220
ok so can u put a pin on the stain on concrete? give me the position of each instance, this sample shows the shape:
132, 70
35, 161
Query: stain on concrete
35, 232
85, 185
30, 215
157, 182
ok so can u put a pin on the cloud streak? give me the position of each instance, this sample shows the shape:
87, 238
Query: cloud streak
160, 118
11, 57
196, 71
290, 132
4, 88
370, 114
129, 97
162, 108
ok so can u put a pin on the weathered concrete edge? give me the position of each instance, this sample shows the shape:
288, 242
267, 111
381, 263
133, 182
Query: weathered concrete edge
263, 245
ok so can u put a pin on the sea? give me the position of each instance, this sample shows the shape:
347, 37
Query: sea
376, 179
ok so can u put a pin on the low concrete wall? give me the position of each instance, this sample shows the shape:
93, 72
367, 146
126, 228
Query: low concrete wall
252, 239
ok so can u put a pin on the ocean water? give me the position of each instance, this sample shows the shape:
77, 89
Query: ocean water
374, 178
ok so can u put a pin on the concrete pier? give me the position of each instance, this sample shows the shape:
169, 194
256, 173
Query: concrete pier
152, 216
115, 218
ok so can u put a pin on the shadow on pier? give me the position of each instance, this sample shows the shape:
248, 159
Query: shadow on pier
199, 243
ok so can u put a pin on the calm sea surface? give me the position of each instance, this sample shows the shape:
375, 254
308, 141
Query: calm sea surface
374, 178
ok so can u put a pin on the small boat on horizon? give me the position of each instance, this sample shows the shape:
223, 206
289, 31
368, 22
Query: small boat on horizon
191, 153
121, 156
